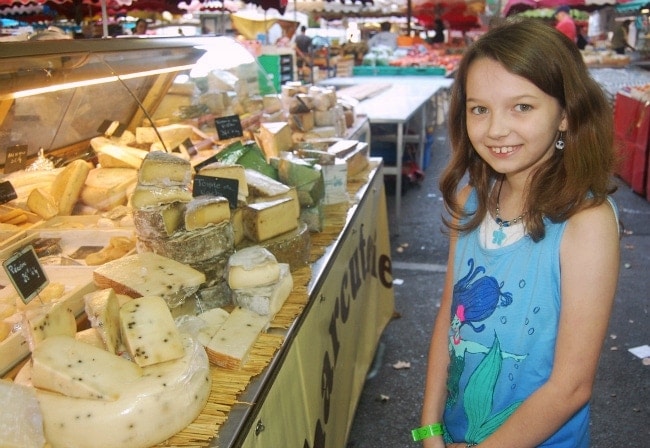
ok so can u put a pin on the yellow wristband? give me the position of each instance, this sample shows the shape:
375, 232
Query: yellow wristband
434, 429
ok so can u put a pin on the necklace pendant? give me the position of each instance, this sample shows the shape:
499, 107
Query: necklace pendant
498, 236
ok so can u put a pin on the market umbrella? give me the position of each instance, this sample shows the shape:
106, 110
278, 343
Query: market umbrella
458, 14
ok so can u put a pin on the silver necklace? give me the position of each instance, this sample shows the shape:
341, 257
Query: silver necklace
499, 236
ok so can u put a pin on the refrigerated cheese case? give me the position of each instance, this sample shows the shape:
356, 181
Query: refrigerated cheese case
191, 253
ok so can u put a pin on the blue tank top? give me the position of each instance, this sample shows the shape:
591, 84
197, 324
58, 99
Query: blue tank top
504, 322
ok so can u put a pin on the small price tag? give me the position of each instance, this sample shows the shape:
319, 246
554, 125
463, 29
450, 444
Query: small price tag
216, 186
16, 159
7, 192
26, 273
228, 127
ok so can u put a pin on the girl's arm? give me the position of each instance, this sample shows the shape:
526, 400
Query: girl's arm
589, 263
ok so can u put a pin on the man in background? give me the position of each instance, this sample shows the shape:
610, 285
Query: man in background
565, 23
384, 37
303, 50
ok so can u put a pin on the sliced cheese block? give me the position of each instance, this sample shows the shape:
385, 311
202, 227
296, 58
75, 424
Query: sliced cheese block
41, 202
266, 300
192, 246
251, 267
265, 220
145, 196
206, 210
213, 320
90, 336
170, 395
103, 310
147, 274
227, 171
160, 221
46, 321
230, 346
149, 331
73, 368
274, 138
117, 155
164, 169
21, 424
68, 184
106, 188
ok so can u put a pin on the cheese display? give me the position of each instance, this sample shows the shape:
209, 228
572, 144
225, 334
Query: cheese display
267, 299
265, 220
231, 344
103, 311
149, 331
73, 368
251, 267
146, 274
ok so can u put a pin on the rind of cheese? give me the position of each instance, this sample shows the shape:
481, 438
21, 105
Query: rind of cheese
47, 321
149, 331
266, 300
293, 247
192, 246
275, 137
230, 346
237, 222
203, 211
147, 274
164, 169
68, 184
145, 196
265, 220
103, 310
118, 155
251, 267
171, 395
73, 368
227, 171
42, 203
159, 222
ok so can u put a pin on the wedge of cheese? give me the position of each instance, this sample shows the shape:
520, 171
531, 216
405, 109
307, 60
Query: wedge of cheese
251, 267
203, 211
265, 220
230, 346
163, 169
103, 310
213, 320
73, 368
275, 137
149, 331
159, 222
266, 300
146, 274
106, 188
145, 196
227, 171
67, 185
41, 202
171, 395
117, 155
40, 323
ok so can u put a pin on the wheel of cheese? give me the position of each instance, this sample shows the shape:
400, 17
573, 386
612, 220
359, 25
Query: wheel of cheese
149, 410
192, 246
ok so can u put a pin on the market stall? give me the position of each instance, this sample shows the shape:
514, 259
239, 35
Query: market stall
168, 121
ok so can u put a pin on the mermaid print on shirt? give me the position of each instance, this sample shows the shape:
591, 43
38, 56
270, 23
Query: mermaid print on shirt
474, 300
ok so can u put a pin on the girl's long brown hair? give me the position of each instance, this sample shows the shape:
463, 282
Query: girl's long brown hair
572, 179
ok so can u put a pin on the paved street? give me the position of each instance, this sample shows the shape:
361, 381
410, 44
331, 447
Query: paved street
391, 400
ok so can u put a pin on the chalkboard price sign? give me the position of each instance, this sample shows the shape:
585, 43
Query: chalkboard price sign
228, 127
7, 192
16, 158
216, 186
26, 273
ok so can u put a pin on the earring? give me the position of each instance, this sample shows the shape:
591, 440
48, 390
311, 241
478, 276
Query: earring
559, 143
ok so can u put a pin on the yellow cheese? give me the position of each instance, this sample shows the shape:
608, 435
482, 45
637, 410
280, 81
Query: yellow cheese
149, 196
149, 331
158, 222
265, 220
303, 121
237, 222
106, 188
264, 189
251, 267
171, 134
271, 103
274, 138
73, 368
118, 155
230, 346
225, 171
42, 203
206, 210
68, 184
164, 169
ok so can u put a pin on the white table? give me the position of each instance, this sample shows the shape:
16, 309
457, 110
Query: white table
400, 100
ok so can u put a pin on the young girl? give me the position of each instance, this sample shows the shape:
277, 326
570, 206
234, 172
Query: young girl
534, 249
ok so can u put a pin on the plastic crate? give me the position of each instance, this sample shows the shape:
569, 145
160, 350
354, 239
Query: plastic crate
370, 70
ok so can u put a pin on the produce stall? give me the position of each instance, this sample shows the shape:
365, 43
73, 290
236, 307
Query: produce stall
205, 253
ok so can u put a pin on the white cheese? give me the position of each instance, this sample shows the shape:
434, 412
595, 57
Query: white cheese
73, 368
103, 310
251, 267
46, 321
213, 320
21, 424
149, 331
266, 300
230, 346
